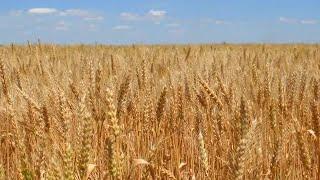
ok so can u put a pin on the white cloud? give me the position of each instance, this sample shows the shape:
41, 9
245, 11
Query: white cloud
297, 21
75, 12
84, 14
311, 22
130, 16
157, 13
42, 11
215, 21
287, 20
121, 27
153, 15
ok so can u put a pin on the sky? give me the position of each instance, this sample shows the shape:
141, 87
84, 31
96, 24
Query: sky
160, 21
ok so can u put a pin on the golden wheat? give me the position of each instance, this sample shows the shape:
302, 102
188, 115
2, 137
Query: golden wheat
159, 112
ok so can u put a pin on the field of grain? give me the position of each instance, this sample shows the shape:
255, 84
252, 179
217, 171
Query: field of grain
160, 112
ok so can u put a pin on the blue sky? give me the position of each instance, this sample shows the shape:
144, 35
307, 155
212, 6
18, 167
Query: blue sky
160, 21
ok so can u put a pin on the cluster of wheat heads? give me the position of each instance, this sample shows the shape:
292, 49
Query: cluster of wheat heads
160, 112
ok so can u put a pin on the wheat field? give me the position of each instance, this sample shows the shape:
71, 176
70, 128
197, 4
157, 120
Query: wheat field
160, 112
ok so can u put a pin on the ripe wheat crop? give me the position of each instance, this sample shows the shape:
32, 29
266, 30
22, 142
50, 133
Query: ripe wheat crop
160, 112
